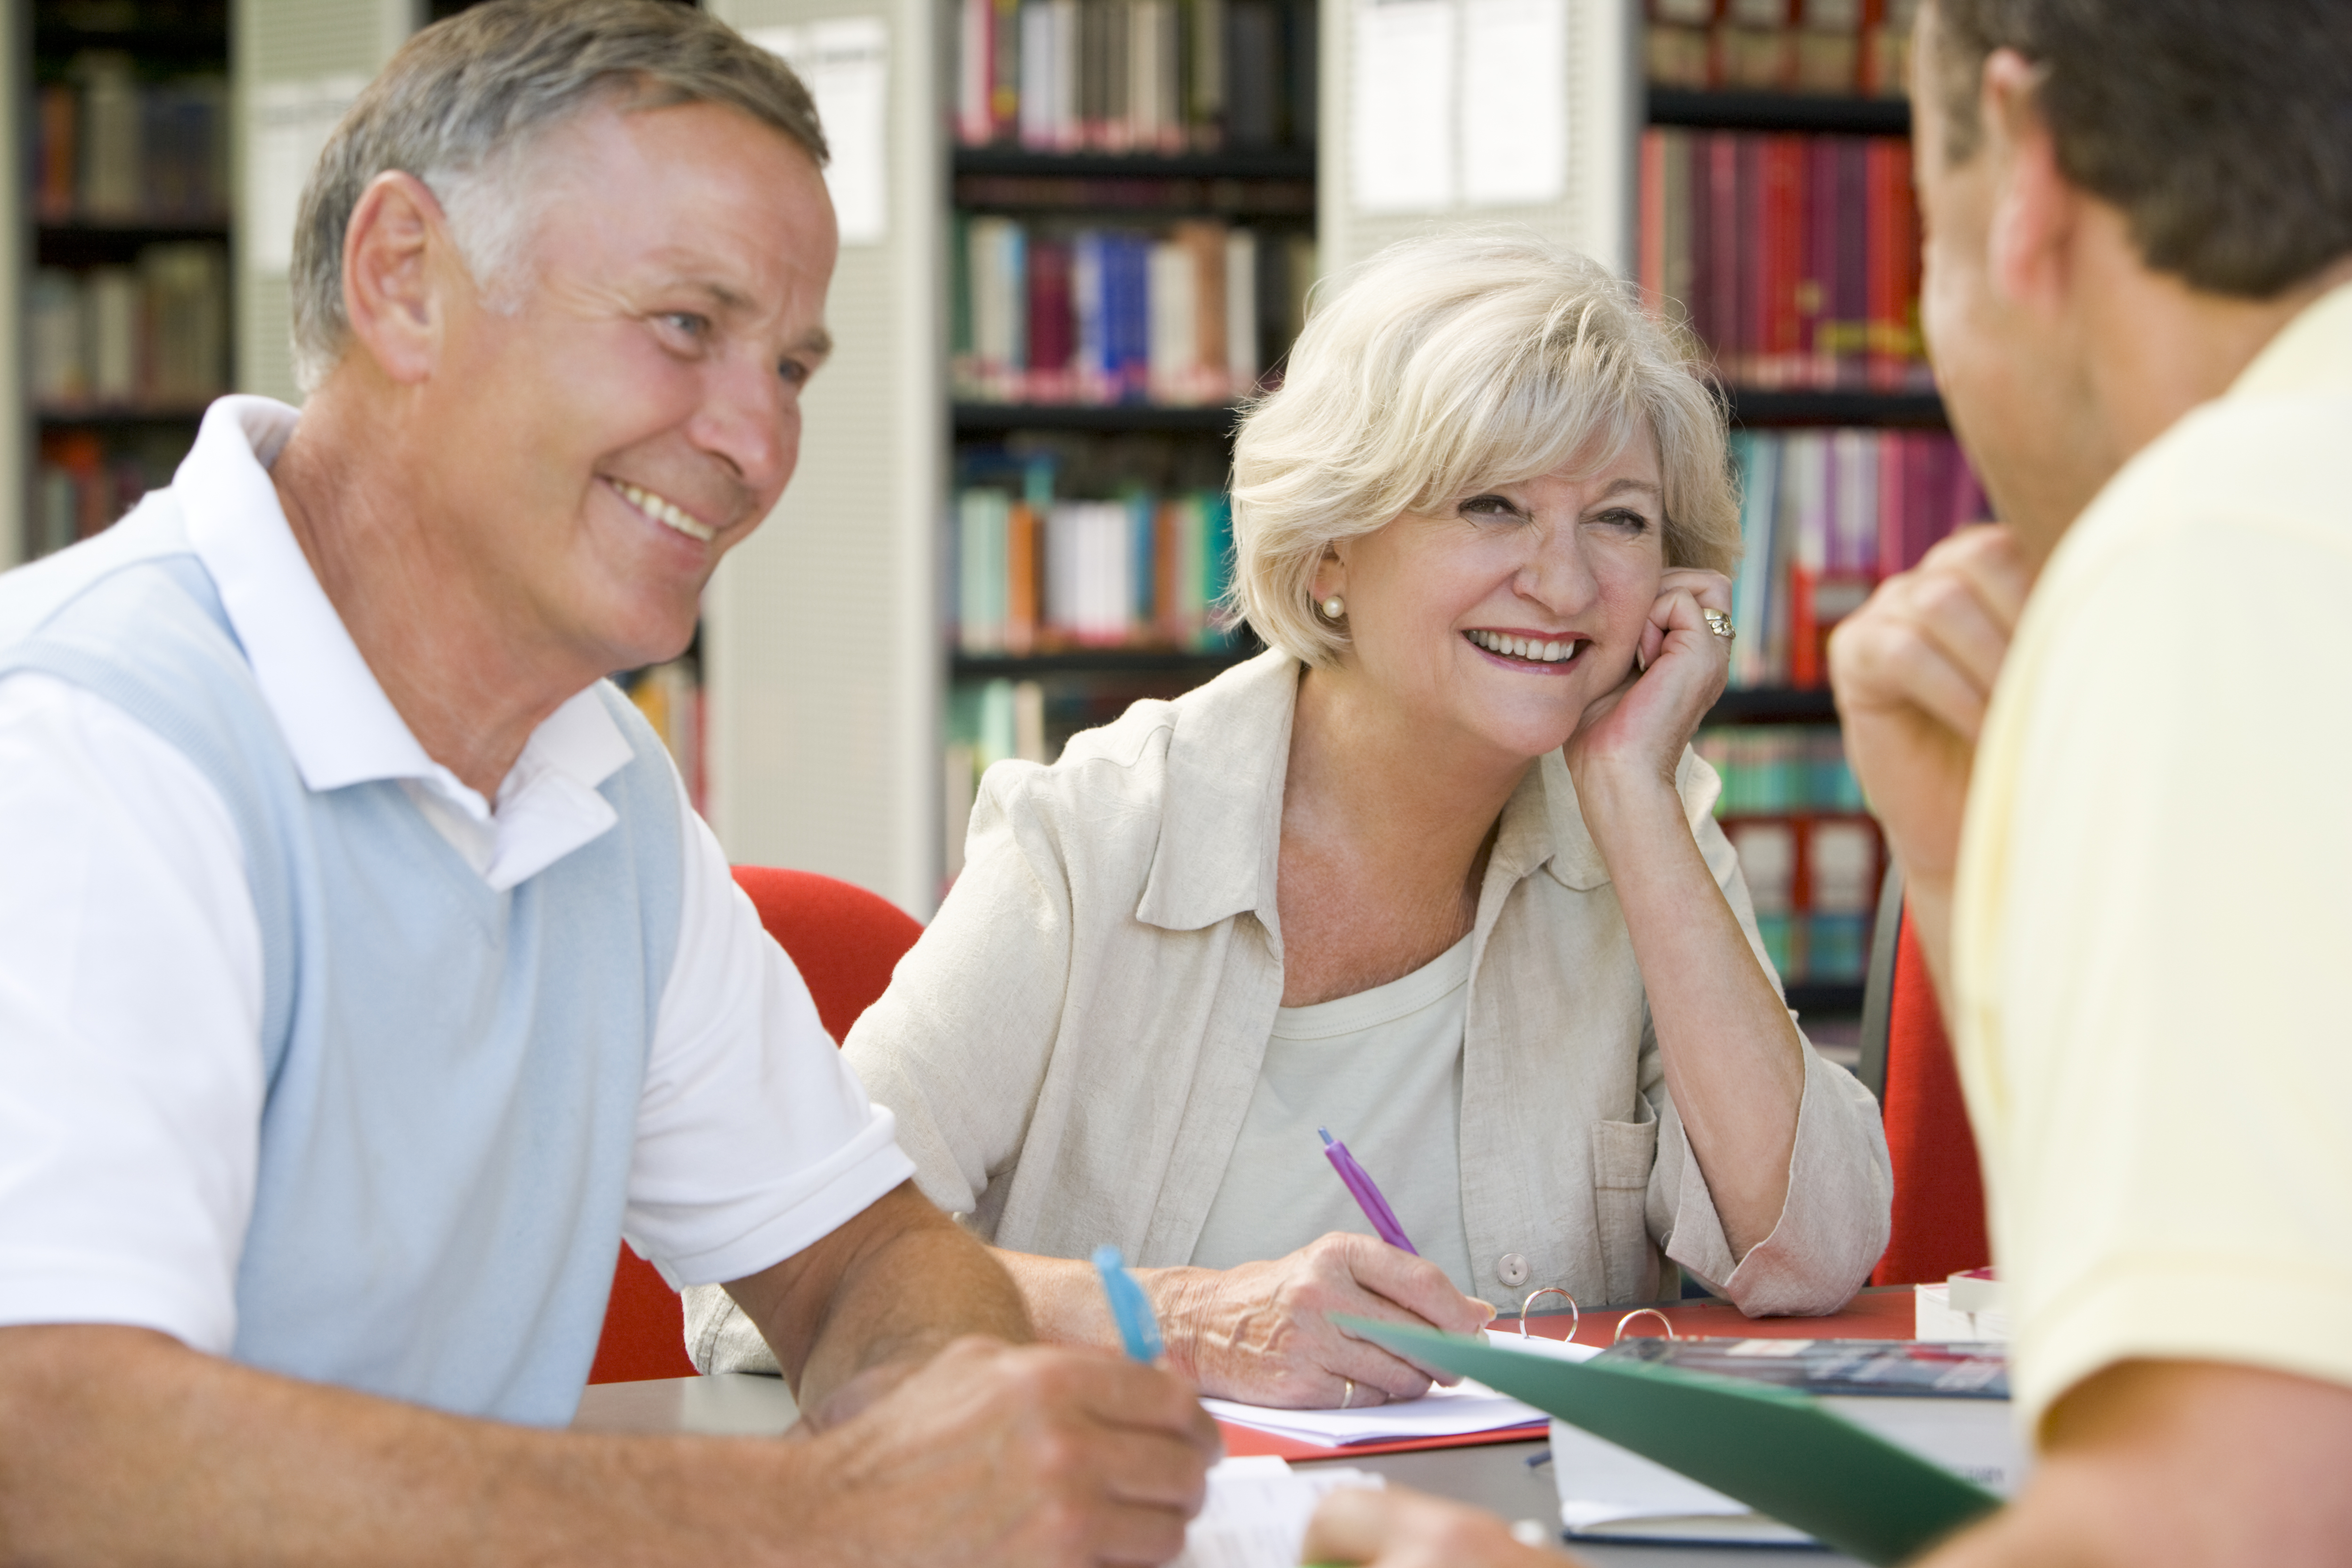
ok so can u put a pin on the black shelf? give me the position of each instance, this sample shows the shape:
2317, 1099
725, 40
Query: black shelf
1759, 406
1268, 164
1773, 705
1097, 661
989, 419
1834, 997
196, 45
190, 414
1780, 111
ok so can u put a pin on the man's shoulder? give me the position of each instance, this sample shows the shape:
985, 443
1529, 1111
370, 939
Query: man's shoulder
154, 533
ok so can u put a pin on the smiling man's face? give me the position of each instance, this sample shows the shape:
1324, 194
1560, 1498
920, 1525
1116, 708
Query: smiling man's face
595, 450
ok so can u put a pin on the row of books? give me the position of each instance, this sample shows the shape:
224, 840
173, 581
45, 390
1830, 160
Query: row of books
1035, 576
1833, 47
1155, 76
151, 334
1779, 770
1793, 258
1814, 880
83, 481
110, 147
1054, 315
1824, 515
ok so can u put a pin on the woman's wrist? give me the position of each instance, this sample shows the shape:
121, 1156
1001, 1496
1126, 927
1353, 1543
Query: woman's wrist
1615, 798
1175, 1295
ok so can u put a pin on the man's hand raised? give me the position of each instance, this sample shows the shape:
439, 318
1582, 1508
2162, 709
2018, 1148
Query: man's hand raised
992, 1454
1914, 669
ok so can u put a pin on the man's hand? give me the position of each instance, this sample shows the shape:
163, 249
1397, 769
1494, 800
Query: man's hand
2181, 1464
1262, 1333
1400, 1529
1913, 669
996, 1455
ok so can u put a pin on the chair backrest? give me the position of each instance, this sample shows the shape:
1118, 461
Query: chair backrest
845, 941
1939, 1212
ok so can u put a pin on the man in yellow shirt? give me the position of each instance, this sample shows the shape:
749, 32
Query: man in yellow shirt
2119, 809
2109, 744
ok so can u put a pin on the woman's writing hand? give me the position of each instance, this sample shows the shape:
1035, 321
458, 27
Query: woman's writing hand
1262, 1333
1637, 732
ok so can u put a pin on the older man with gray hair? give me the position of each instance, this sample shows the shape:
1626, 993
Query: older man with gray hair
363, 972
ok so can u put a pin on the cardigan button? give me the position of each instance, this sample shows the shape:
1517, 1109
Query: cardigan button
1511, 1270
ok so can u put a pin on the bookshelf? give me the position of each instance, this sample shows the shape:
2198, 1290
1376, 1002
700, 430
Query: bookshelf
1133, 216
120, 171
1779, 125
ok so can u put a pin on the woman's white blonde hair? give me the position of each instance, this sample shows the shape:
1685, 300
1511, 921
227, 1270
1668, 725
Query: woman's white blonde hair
1450, 365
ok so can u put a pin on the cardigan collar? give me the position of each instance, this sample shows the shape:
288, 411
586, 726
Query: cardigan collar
1220, 811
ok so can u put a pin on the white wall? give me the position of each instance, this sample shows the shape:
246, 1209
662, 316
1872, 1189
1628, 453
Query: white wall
821, 645
1595, 212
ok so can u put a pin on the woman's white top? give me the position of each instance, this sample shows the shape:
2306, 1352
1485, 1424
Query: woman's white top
1072, 1048
1383, 1071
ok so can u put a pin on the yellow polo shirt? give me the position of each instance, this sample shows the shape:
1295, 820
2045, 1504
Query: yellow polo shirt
2152, 936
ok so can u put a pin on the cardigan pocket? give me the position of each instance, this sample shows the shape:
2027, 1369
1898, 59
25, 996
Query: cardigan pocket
1622, 1155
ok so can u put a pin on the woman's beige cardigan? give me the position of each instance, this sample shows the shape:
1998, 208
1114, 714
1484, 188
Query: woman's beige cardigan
1071, 1047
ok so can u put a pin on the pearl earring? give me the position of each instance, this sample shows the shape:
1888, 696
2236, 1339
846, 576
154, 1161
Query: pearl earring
1334, 607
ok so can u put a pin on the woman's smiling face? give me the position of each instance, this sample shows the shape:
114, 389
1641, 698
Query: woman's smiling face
1504, 614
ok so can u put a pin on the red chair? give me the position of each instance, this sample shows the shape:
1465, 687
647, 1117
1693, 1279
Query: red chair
845, 942
1939, 1209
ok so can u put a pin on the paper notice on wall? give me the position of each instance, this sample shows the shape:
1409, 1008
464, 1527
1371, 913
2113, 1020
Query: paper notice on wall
1402, 150
1514, 102
845, 62
288, 123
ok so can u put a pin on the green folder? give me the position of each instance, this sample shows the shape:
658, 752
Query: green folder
1775, 1449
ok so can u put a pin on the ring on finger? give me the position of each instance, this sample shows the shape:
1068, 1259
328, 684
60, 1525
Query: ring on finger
1347, 1399
1720, 624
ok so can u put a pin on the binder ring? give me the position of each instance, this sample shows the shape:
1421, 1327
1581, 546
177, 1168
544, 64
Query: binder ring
1643, 1312
1575, 1313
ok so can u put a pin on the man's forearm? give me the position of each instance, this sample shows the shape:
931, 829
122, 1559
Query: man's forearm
122, 1445
891, 1287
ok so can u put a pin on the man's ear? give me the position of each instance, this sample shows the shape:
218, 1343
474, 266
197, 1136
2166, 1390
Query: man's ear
2035, 209
392, 285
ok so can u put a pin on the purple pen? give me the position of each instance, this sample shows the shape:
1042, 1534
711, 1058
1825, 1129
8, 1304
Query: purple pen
1367, 1197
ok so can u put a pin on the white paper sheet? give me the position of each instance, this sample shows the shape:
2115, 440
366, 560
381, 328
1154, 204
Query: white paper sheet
1256, 1512
287, 125
1467, 1406
1514, 102
845, 63
1403, 109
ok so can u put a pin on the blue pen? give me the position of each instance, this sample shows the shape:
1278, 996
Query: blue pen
1129, 1307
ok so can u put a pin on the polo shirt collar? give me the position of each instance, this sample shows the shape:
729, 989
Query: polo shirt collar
338, 723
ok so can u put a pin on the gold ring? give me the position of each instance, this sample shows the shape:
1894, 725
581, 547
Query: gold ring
1719, 623
1348, 1398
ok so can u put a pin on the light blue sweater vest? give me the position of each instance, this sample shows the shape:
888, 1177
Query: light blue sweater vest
452, 1072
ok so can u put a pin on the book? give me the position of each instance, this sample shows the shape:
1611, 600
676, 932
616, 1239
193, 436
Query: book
1782, 1452
1824, 48
1947, 1404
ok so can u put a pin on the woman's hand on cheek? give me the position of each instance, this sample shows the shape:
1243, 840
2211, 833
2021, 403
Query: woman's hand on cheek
1639, 729
1261, 1333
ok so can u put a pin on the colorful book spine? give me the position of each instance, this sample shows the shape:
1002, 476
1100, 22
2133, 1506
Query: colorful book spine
1142, 571
1793, 258
1824, 516
1811, 856
1842, 49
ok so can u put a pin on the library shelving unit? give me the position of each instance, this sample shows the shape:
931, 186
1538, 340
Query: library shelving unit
119, 180
1106, 306
1812, 854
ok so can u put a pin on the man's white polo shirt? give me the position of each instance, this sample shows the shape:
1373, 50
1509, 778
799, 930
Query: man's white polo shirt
130, 984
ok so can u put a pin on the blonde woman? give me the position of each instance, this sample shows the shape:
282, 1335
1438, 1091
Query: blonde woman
1437, 872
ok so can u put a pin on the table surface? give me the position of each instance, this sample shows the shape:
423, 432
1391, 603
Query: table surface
1494, 1476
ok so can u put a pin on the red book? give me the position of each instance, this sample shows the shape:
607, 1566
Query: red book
1052, 334
1817, 296
1884, 267
1804, 631
1784, 245
1726, 248
1911, 370
1748, 243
